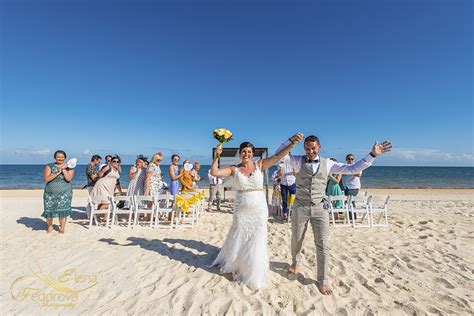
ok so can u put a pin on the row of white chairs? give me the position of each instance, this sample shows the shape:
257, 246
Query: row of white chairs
366, 214
190, 217
152, 211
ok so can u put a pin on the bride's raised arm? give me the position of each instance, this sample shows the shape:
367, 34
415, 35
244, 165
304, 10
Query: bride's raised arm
270, 161
215, 170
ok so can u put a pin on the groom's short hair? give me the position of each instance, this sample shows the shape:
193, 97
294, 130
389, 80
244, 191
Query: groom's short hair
311, 138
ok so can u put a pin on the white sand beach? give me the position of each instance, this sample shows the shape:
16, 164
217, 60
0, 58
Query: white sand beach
423, 263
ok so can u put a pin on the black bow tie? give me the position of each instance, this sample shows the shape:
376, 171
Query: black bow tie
311, 161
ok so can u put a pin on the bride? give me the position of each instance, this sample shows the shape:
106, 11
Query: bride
244, 253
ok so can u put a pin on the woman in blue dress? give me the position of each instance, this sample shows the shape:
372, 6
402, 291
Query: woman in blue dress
174, 175
58, 191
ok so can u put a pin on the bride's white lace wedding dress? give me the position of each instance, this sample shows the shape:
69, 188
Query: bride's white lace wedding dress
244, 253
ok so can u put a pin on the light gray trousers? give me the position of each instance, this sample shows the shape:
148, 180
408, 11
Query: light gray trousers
319, 219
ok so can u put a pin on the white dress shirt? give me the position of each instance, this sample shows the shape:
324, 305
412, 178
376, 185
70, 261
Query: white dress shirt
214, 180
351, 181
333, 167
288, 176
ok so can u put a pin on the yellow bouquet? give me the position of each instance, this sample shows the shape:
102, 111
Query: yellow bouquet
222, 135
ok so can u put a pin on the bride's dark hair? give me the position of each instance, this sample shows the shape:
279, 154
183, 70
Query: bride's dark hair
245, 145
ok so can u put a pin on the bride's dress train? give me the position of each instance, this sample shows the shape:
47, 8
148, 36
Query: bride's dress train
244, 253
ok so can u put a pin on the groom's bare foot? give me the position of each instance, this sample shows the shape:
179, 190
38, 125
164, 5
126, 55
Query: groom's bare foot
324, 289
294, 268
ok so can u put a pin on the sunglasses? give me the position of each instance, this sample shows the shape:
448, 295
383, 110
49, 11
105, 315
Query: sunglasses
350, 158
115, 161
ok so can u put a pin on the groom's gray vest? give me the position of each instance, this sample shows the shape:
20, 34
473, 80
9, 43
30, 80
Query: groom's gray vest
311, 189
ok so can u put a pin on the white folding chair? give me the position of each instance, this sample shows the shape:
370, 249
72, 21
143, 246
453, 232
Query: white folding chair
94, 202
128, 209
186, 218
165, 211
383, 210
343, 219
362, 212
200, 205
144, 205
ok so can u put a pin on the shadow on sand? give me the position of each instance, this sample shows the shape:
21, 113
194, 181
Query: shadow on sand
34, 223
201, 258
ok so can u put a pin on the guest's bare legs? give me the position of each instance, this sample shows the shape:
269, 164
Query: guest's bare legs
50, 225
104, 207
62, 224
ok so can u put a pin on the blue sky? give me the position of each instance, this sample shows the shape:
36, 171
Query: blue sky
134, 77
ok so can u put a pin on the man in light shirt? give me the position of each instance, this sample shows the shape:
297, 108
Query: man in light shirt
288, 185
351, 182
215, 188
311, 179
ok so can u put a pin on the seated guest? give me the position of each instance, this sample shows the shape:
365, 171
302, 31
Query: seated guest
186, 179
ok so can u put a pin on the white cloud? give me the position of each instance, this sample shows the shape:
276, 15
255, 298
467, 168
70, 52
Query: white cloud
87, 152
44, 151
427, 155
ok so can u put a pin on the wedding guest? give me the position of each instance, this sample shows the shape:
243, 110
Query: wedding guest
108, 159
57, 195
333, 188
92, 176
215, 188
276, 196
351, 182
186, 179
175, 175
154, 178
106, 185
104, 169
276, 176
287, 186
137, 176
195, 174
118, 187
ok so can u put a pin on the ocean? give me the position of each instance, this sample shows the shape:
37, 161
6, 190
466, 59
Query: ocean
31, 177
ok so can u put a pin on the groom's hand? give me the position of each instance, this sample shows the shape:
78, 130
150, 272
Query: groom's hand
298, 137
379, 149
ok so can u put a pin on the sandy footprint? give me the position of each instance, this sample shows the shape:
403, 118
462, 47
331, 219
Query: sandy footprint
445, 283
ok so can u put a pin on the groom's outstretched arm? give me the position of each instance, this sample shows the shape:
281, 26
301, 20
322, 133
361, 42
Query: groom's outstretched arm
364, 163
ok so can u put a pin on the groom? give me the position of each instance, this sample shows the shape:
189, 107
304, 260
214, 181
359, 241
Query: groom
311, 178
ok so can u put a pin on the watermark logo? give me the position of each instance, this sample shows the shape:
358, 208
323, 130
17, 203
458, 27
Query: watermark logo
50, 292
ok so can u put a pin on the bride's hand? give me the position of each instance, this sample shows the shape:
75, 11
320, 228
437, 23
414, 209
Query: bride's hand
218, 150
